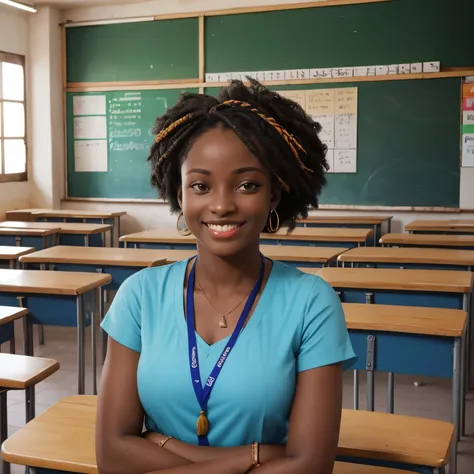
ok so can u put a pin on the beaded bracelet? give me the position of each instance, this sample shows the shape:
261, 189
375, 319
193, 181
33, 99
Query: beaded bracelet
164, 441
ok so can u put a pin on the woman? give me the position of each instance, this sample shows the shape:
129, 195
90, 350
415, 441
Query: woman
233, 360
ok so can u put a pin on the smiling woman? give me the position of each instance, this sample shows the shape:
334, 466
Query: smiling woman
233, 360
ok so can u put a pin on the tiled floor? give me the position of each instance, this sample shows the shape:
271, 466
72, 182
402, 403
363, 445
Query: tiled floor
433, 400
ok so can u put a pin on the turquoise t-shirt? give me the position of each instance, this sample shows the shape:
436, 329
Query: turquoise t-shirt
298, 324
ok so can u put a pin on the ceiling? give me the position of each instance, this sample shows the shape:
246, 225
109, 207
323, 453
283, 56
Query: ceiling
79, 3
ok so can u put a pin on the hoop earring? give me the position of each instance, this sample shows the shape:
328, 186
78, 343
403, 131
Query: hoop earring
271, 228
184, 231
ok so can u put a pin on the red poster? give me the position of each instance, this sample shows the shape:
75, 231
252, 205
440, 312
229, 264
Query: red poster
468, 103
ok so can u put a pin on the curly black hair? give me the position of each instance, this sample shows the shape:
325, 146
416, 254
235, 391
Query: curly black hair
260, 137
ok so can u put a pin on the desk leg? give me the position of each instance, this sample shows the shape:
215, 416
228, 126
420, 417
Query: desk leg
86, 241
356, 389
375, 235
457, 402
80, 345
465, 355
391, 392
369, 367
4, 466
94, 321
118, 231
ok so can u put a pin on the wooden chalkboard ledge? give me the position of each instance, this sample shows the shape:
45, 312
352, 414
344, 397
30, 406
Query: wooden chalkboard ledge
176, 84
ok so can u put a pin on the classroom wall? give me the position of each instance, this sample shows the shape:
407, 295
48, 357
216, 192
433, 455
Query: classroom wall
48, 182
13, 39
45, 109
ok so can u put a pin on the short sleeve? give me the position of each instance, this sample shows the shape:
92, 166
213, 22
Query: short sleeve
325, 339
123, 320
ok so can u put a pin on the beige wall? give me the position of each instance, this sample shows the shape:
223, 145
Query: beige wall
13, 39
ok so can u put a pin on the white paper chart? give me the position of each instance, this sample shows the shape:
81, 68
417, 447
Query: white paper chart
336, 111
89, 105
90, 155
94, 127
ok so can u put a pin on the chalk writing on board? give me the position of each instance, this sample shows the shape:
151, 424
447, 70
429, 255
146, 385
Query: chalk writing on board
128, 146
125, 132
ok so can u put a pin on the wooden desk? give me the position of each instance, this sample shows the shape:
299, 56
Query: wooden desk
71, 215
397, 280
19, 372
302, 256
56, 299
69, 231
409, 257
97, 256
407, 340
9, 314
168, 239
36, 238
318, 236
363, 222
460, 226
63, 437
465, 242
11, 254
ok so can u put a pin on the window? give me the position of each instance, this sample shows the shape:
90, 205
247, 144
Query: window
12, 118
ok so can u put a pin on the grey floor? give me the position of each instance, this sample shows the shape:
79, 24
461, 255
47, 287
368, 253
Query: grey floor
433, 400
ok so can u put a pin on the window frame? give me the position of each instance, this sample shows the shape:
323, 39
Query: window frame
23, 176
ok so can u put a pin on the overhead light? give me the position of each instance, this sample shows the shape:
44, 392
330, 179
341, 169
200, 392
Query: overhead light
21, 6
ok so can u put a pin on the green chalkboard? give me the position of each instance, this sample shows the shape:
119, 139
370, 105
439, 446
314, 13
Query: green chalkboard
129, 118
407, 145
156, 50
395, 32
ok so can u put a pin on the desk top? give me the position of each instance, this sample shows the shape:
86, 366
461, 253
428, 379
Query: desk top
64, 227
428, 239
168, 236
19, 372
79, 214
295, 253
405, 319
10, 313
51, 283
395, 279
409, 255
374, 220
9, 252
321, 234
97, 256
28, 232
446, 225
63, 438
376, 435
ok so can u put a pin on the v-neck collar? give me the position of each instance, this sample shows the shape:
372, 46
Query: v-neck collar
249, 329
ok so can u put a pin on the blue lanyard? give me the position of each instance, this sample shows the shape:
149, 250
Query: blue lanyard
203, 393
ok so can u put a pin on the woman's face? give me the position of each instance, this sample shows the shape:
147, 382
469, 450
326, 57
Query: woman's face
226, 193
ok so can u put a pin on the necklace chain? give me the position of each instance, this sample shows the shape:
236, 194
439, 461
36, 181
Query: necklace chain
223, 323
